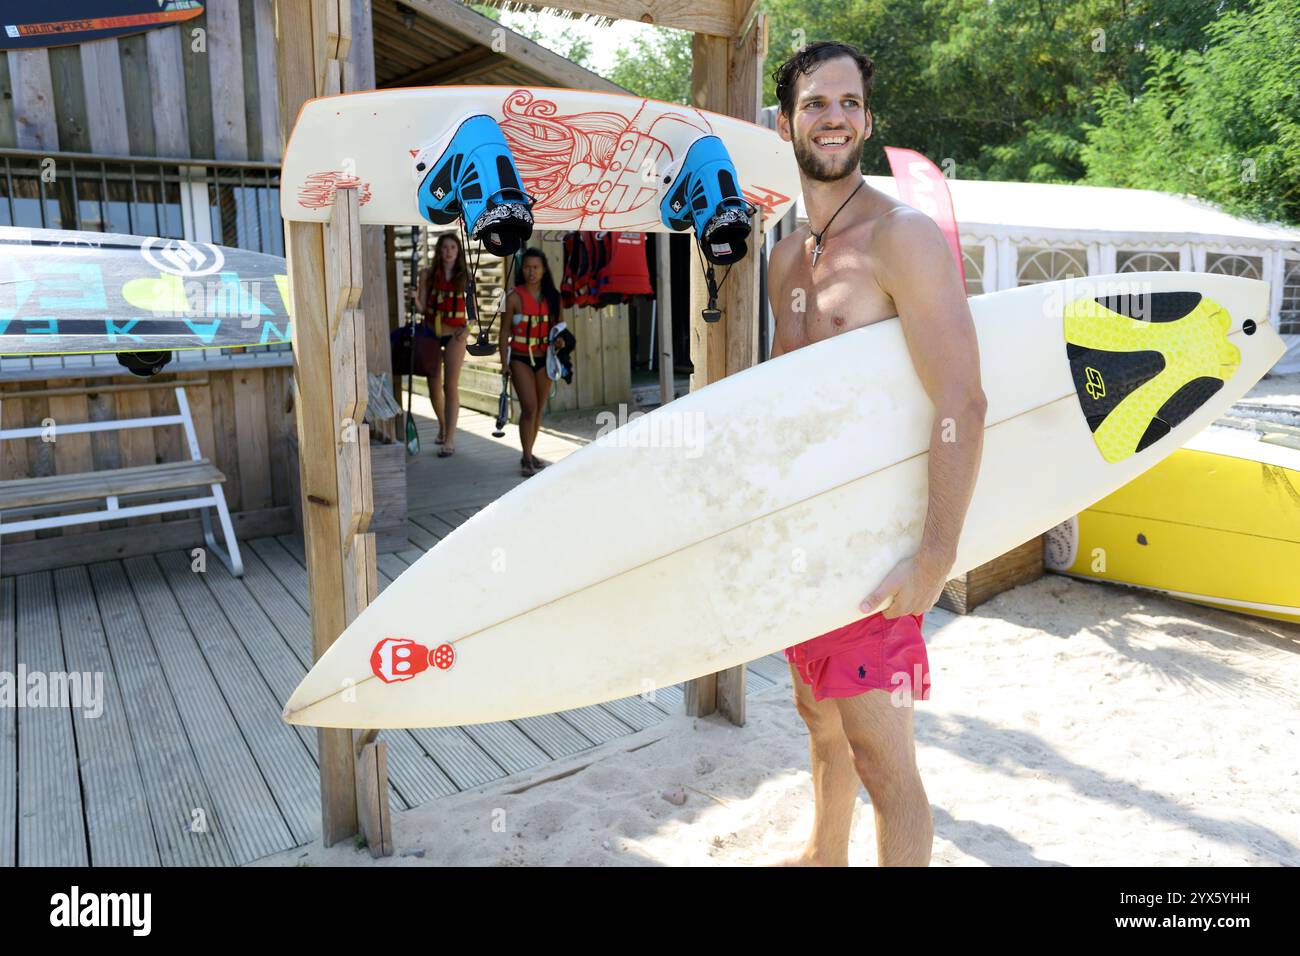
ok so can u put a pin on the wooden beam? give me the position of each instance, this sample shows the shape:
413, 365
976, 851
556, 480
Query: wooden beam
101, 69
338, 28
226, 73
325, 274
268, 107
450, 15
715, 17
710, 58
664, 318
167, 92
372, 796
747, 10
726, 77
442, 70
32, 88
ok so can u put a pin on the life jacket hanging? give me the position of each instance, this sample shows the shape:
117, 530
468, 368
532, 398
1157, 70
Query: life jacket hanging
572, 256
591, 266
625, 271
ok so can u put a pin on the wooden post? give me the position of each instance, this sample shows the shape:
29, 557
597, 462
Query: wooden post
329, 352
726, 77
374, 297
664, 317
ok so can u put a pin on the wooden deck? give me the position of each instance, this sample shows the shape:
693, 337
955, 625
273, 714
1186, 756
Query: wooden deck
189, 762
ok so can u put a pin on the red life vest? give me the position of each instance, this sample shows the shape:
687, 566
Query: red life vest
625, 271
572, 266
446, 301
530, 335
593, 261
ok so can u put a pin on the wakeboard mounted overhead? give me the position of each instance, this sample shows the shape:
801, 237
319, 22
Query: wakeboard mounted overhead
702, 193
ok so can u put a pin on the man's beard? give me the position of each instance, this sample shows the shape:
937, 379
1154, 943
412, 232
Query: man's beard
826, 169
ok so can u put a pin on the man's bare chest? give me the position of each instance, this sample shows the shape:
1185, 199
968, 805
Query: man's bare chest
837, 295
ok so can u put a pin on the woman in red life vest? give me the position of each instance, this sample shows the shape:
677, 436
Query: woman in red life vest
533, 307
441, 338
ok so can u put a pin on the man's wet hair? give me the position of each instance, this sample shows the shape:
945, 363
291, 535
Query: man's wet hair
806, 61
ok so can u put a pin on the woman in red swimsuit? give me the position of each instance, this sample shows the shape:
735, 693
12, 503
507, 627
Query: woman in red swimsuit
534, 308
441, 338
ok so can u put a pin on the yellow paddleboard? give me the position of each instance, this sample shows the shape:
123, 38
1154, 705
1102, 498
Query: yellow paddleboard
1217, 522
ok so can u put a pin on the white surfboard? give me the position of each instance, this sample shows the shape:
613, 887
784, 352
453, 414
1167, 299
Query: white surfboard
591, 160
759, 511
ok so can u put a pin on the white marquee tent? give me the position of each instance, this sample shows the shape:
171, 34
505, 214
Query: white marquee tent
1015, 234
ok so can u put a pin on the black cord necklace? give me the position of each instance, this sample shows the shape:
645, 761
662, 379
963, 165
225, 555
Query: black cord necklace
817, 249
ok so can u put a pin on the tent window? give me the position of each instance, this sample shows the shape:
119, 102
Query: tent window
1146, 262
1048, 265
1288, 320
972, 258
1251, 267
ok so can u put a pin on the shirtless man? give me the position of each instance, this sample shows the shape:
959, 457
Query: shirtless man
871, 258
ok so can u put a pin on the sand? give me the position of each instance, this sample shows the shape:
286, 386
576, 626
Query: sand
1070, 723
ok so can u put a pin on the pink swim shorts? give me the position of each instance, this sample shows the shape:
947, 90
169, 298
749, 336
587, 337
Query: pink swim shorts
872, 653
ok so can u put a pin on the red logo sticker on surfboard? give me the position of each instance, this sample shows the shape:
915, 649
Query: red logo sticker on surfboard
397, 659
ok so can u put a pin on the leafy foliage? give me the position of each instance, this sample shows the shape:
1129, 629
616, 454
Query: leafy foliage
1199, 96
657, 65
1222, 123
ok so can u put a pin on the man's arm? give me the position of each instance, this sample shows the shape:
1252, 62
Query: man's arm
917, 271
777, 266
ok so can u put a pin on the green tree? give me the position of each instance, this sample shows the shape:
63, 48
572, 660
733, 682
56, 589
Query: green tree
1222, 122
1194, 96
1005, 88
657, 64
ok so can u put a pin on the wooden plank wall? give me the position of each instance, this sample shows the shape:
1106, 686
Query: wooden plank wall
195, 89
241, 417
203, 89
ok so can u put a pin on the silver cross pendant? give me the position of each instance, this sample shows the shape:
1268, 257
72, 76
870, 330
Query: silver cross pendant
817, 251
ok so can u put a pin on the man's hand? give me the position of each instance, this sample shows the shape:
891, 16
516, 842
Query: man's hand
911, 587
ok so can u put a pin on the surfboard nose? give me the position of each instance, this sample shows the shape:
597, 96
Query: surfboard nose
316, 695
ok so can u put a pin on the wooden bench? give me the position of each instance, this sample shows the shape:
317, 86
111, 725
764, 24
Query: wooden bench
161, 482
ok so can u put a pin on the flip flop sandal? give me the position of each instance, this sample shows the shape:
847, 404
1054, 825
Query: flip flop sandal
539, 463
446, 451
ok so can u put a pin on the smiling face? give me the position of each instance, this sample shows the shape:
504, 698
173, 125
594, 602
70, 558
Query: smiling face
829, 124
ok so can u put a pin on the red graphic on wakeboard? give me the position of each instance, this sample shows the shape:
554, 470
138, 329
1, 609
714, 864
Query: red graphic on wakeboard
397, 659
319, 189
765, 199
586, 165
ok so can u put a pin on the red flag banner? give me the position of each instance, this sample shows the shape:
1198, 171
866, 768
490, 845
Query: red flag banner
922, 186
